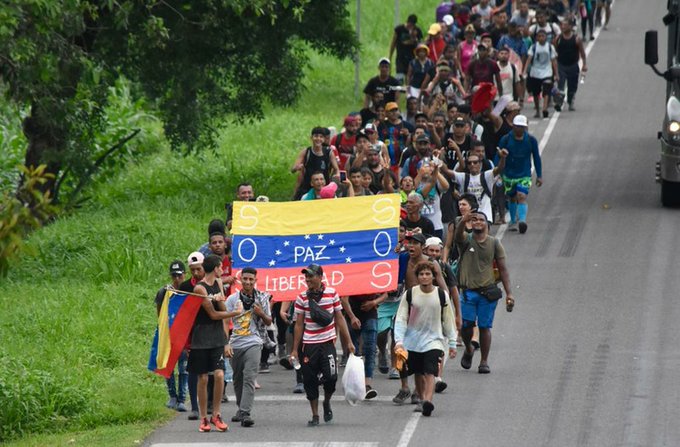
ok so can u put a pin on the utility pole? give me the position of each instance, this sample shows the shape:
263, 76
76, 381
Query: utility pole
356, 55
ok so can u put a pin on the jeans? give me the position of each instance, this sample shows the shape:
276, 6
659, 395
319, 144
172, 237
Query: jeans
368, 334
181, 391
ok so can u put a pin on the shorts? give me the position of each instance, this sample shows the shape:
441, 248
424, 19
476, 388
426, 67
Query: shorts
424, 362
386, 314
514, 185
536, 86
475, 308
318, 359
204, 361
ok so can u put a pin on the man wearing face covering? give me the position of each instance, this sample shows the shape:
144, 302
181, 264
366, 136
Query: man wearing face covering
479, 294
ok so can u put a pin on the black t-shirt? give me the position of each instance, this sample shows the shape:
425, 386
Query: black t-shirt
187, 286
368, 116
450, 155
406, 43
355, 302
425, 225
387, 87
160, 295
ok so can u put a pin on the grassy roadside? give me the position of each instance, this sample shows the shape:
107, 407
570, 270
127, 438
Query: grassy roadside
78, 317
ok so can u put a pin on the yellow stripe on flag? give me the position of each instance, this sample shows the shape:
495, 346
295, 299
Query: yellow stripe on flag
316, 216
164, 332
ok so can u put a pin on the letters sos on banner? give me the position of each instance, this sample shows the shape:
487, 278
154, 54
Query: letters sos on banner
354, 239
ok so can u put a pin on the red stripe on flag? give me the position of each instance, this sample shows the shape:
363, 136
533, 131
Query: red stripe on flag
286, 284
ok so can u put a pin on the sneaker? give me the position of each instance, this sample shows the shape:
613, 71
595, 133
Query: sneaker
415, 399
383, 367
401, 397
264, 368
440, 386
172, 403
394, 374
327, 412
193, 416
558, 107
545, 114
285, 362
418, 408
181, 407
370, 393
428, 407
314, 422
512, 226
522, 227
238, 417
299, 388
219, 424
204, 426
247, 421
571, 107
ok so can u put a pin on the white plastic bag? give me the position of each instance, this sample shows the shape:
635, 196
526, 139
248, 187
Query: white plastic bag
353, 380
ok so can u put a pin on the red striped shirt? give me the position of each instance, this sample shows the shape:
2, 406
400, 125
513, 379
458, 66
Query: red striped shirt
314, 333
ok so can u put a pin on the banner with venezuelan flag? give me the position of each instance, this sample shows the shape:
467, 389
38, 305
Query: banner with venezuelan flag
175, 321
353, 239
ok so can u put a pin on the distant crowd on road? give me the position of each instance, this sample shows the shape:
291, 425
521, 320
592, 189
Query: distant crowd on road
460, 156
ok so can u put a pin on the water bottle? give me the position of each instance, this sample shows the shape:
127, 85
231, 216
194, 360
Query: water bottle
583, 78
295, 362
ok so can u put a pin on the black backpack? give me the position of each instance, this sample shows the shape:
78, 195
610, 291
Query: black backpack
482, 180
442, 301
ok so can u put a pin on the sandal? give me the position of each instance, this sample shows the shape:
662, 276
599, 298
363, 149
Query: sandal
466, 360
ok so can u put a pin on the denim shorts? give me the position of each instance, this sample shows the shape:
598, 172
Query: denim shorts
476, 308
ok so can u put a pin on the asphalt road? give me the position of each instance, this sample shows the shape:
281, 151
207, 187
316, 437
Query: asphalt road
591, 354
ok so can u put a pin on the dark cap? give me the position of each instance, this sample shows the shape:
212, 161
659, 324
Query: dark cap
459, 121
418, 237
313, 269
362, 134
177, 267
422, 137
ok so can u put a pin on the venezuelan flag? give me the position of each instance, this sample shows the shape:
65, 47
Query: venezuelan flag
353, 239
175, 321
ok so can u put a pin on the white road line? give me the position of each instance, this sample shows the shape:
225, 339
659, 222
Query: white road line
409, 430
301, 398
269, 444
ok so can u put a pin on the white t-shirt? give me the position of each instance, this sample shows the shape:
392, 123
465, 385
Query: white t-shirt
507, 79
475, 187
541, 66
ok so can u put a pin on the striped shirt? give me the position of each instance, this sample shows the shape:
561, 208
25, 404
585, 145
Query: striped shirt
314, 333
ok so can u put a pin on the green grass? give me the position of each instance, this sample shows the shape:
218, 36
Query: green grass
78, 317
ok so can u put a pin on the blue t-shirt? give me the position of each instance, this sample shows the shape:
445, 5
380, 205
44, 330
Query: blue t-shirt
520, 152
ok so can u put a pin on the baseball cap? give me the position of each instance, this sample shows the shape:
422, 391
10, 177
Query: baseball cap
384, 60
520, 120
459, 121
195, 258
370, 128
313, 269
391, 106
422, 137
448, 19
435, 28
418, 237
513, 106
177, 267
431, 241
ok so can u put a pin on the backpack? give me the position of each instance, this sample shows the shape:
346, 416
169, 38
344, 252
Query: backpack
552, 28
442, 302
482, 180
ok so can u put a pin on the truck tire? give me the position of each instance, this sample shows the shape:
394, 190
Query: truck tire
670, 193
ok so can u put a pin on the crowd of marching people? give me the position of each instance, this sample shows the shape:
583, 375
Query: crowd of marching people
459, 154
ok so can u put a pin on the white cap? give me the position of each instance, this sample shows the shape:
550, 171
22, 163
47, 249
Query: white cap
433, 241
448, 19
520, 120
195, 258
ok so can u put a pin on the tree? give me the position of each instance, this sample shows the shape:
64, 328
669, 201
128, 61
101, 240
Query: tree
199, 61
